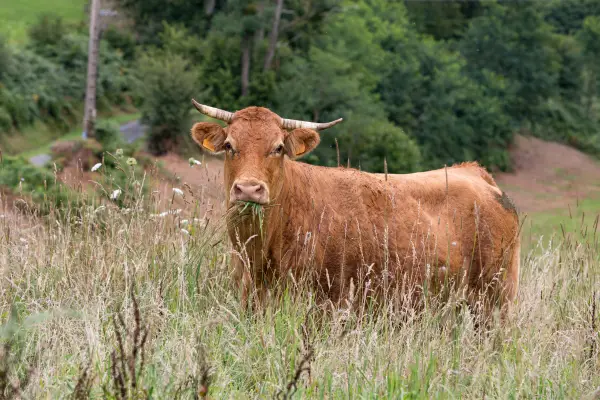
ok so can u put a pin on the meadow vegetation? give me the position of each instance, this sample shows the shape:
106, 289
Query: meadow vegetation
135, 300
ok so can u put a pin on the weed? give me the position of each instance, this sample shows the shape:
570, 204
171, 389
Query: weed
12, 382
83, 386
127, 360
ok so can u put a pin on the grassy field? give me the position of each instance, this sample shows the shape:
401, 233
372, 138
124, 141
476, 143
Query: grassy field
580, 219
17, 16
70, 275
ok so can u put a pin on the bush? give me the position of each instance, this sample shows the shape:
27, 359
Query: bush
46, 81
36, 183
109, 135
5, 120
48, 30
168, 85
120, 41
385, 141
5, 57
42, 86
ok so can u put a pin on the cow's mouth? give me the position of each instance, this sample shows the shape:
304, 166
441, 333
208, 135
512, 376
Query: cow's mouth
245, 211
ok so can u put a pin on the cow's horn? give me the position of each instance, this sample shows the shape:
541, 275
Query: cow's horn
318, 126
213, 112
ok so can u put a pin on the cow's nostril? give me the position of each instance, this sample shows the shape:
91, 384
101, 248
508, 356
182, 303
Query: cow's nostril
237, 189
259, 189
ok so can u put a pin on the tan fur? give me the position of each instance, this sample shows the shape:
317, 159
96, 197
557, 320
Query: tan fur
347, 226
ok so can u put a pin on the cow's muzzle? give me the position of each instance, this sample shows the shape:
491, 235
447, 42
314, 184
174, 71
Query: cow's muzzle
249, 190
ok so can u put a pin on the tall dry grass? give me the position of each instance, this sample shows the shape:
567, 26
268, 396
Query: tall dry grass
113, 302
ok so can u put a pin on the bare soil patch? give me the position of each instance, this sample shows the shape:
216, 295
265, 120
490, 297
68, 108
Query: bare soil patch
548, 175
202, 184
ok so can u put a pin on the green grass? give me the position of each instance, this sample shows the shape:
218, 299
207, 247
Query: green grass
17, 15
578, 219
48, 139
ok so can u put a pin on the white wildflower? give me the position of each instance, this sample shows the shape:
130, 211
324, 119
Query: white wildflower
184, 222
193, 162
96, 167
185, 231
165, 213
115, 194
178, 191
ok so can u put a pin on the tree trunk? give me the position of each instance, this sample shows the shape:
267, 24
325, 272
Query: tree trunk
274, 36
245, 64
260, 33
209, 7
89, 117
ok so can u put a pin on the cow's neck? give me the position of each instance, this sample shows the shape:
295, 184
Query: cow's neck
258, 234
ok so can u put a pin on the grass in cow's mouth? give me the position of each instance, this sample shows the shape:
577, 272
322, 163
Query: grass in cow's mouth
243, 209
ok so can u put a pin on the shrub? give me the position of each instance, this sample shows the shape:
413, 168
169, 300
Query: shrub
168, 85
5, 57
385, 141
5, 120
48, 30
120, 41
38, 184
45, 86
109, 135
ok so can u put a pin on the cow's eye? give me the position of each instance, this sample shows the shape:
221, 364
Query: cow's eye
228, 146
278, 150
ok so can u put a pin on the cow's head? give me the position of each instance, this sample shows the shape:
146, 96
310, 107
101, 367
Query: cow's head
256, 143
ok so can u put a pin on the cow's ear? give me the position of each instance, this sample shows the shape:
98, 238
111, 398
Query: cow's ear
209, 135
301, 141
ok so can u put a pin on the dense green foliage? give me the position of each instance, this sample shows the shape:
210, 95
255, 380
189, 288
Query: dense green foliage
45, 80
422, 84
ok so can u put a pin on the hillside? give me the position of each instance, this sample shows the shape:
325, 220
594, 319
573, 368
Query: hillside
549, 175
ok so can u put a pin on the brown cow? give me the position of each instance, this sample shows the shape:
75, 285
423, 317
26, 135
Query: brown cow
348, 226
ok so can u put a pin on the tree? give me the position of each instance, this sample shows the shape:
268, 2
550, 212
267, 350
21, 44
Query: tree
338, 77
567, 16
589, 37
513, 42
166, 84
